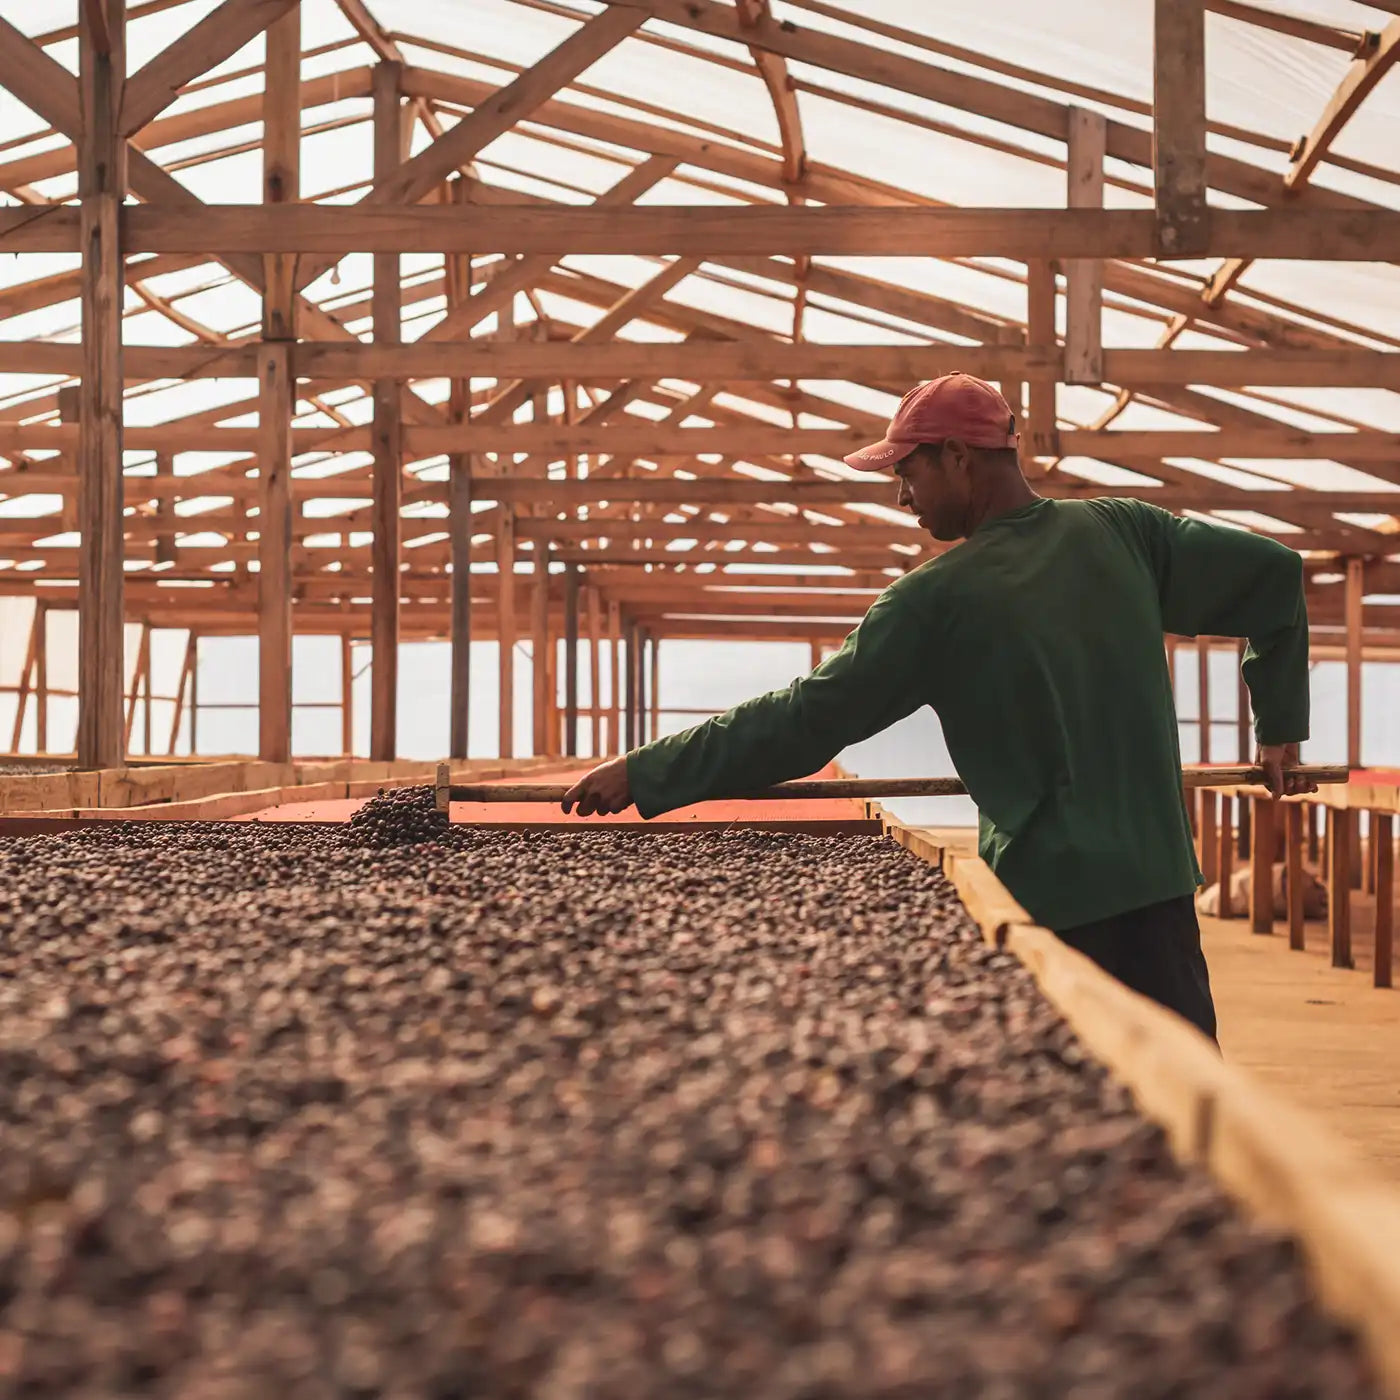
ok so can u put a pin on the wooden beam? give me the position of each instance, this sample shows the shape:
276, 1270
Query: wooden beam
277, 401
219, 35
1179, 128
1041, 295
1295, 26
1355, 590
614, 677
101, 187
705, 231
595, 672
1339, 838
1261, 863
1383, 838
387, 435
571, 601
43, 84
1362, 76
410, 180
1084, 276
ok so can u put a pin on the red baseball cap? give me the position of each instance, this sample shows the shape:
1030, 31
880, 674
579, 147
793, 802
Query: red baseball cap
955, 406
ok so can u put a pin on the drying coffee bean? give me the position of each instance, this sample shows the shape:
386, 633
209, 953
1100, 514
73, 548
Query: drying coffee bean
400, 1109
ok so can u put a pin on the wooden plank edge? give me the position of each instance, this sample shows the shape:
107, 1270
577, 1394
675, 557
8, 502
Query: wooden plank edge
1273, 1159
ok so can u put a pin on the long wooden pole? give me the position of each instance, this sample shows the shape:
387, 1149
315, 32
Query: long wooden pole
25, 681
101, 189
277, 397
1355, 590
1203, 681
41, 677
539, 648
460, 466
387, 439
614, 677
1179, 127
595, 673
571, 661
505, 627
864, 787
347, 695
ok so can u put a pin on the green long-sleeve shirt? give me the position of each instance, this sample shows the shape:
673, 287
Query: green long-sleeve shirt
1038, 641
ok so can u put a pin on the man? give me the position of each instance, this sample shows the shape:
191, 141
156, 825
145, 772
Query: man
1038, 641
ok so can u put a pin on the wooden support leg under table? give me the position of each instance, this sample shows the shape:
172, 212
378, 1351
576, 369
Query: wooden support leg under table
1339, 886
1261, 855
1383, 837
1293, 873
1206, 834
1226, 848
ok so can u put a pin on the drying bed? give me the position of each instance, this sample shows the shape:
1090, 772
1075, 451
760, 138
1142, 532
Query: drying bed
390, 1109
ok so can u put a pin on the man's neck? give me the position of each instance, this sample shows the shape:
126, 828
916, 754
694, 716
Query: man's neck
1001, 497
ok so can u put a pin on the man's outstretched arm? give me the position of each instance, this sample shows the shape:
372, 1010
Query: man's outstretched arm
878, 677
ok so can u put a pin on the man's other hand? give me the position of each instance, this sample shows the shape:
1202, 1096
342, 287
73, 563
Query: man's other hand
602, 792
1273, 759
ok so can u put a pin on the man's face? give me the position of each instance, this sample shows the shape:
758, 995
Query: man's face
934, 484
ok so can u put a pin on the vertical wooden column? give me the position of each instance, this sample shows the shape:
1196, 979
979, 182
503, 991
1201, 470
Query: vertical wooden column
147, 743
41, 676
1261, 867
1339, 885
194, 693
1310, 823
460, 469
539, 649
643, 688
1088, 140
386, 436
571, 661
277, 397
165, 512
1383, 834
814, 654
101, 188
505, 625
1203, 684
1293, 873
1179, 127
1041, 422
1226, 847
630, 665
655, 731
595, 672
615, 678
1244, 739
347, 695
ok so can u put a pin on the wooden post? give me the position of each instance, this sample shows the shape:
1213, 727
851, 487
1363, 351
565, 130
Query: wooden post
1203, 684
631, 664
1226, 847
41, 676
165, 511
275, 401
655, 730
347, 695
505, 626
1041, 418
1293, 873
595, 672
25, 681
181, 691
1088, 139
1261, 857
615, 678
1383, 829
571, 661
814, 655
194, 695
277, 398
1179, 127
1242, 715
146, 716
1312, 820
101, 190
1339, 886
539, 648
460, 467
1208, 835
387, 441
143, 654
1355, 590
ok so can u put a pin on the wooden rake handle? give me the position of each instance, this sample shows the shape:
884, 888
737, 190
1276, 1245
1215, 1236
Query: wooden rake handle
448, 791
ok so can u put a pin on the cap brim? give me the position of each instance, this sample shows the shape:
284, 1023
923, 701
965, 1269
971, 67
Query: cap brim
880, 454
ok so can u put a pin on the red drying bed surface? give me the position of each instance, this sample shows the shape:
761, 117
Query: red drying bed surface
825, 809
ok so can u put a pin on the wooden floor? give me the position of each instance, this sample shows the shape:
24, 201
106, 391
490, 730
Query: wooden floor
1320, 1036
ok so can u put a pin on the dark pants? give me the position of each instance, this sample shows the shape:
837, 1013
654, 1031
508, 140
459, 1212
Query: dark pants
1155, 950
